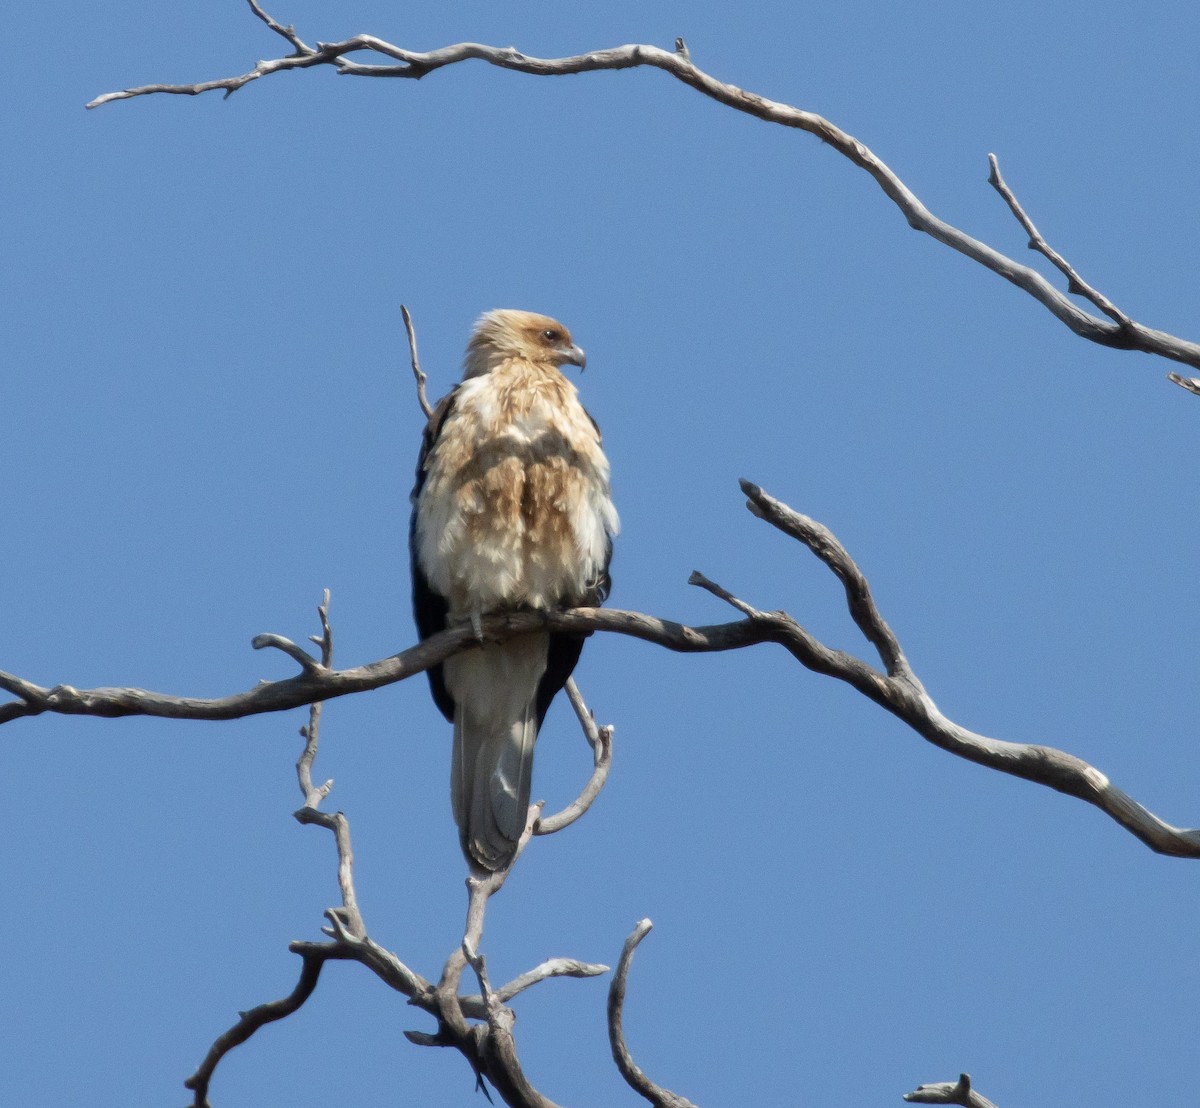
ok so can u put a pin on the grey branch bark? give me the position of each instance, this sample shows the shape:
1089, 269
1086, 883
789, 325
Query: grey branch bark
600, 740
1119, 331
487, 1044
249, 1022
634, 1077
949, 1092
418, 374
894, 688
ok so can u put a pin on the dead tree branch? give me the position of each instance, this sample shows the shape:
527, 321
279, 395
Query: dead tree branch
1076, 285
895, 689
600, 740
487, 1044
1192, 384
418, 373
634, 1077
249, 1022
949, 1092
1120, 332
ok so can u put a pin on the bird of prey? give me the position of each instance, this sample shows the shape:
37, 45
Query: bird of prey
511, 510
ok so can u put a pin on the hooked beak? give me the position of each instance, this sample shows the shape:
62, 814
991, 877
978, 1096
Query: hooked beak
574, 355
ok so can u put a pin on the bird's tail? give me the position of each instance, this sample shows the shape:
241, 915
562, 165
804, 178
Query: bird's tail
495, 729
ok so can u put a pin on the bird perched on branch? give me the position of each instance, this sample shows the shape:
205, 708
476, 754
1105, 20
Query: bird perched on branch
511, 510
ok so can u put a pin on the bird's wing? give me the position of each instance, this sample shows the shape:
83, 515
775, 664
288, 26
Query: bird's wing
429, 607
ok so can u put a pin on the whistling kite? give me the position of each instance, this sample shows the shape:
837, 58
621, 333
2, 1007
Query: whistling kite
511, 509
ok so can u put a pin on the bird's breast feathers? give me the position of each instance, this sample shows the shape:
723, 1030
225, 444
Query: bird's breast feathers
515, 509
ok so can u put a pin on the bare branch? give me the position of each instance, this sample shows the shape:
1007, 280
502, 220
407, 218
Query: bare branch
490, 1049
249, 1022
1192, 384
420, 377
552, 967
1075, 284
499, 1048
297, 653
383, 963
822, 542
288, 33
318, 684
493, 1051
349, 919
1120, 333
313, 795
634, 1077
901, 694
481, 886
949, 1092
700, 581
600, 740
346, 921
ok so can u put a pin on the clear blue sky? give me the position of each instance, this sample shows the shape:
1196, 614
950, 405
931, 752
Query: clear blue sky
209, 419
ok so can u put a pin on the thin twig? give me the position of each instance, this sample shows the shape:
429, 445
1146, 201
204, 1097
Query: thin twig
1119, 333
313, 795
383, 963
700, 581
824, 544
288, 32
250, 1021
1192, 384
297, 653
552, 967
336, 822
493, 1052
481, 886
600, 740
634, 1077
418, 374
1075, 284
346, 921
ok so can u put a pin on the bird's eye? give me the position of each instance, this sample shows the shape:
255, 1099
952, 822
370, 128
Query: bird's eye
550, 335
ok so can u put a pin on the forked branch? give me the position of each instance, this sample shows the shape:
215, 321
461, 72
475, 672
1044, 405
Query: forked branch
1119, 331
488, 1045
895, 687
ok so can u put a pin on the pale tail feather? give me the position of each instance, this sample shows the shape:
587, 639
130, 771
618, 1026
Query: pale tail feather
495, 729
491, 768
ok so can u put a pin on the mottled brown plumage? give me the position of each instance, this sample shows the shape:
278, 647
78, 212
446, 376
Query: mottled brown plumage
511, 509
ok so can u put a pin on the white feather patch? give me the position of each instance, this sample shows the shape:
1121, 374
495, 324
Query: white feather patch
515, 509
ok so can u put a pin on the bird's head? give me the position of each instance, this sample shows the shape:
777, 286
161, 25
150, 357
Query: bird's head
507, 333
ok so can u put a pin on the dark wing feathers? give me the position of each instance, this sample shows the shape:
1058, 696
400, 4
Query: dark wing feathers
430, 608
563, 653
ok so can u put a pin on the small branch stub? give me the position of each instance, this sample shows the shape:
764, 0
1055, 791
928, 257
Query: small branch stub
1192, 384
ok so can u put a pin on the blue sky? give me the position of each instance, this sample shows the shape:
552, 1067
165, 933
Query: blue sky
210, 419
